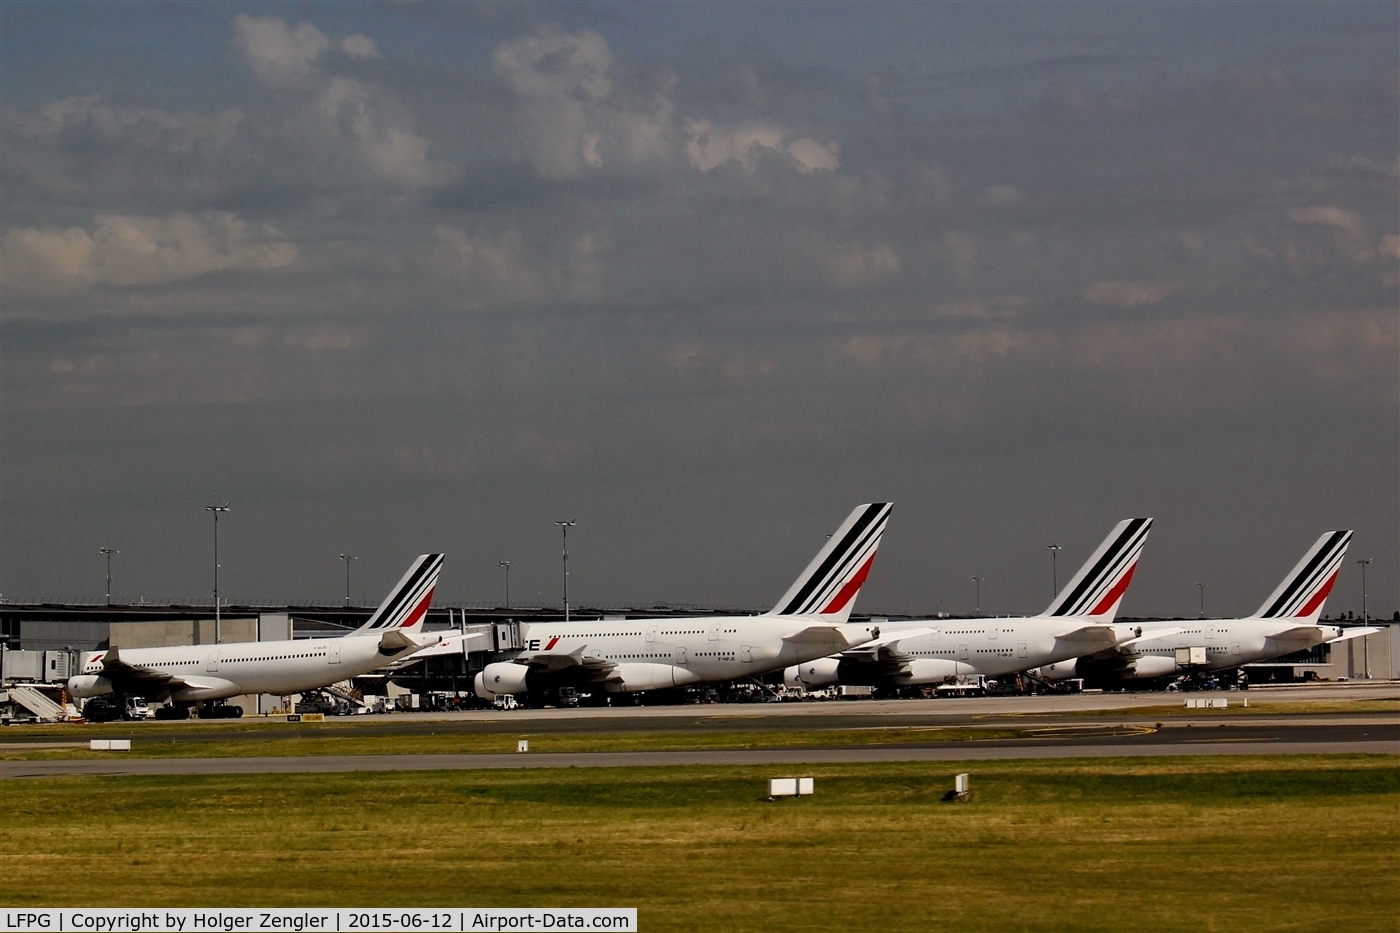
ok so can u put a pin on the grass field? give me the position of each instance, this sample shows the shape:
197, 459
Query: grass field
485, 743
1297, 843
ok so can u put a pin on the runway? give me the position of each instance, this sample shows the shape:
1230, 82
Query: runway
1336, 740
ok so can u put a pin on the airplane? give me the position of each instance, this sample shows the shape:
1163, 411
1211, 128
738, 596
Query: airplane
1285, 623
937, 651
204, 673
628, 656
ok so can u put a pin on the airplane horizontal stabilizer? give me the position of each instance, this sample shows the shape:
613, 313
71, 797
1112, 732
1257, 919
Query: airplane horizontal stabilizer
396, 640
889, 640
1357, 632
1092, 637
1148, 636
838, 637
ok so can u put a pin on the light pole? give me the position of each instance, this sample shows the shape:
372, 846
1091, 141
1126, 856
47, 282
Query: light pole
1202, 588
1365, 620
216, 509
1054, 550
347, 558
565, 526
977, 581
505, 565
109, 552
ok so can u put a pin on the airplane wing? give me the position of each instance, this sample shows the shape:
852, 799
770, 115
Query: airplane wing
134, 678
560, 660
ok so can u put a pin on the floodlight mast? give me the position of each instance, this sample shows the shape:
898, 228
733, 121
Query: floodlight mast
109, 552
978, 582
216, 509
1054, 550
1203, 587
505, 565
347, 558
564, 527
1365, 619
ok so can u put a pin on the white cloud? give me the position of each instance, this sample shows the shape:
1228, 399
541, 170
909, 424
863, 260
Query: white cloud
1126, 294
280, 56
131, 250
711, 146
1352, 232
81, 144
861, 265
557, 65
574, 117
569, 118
338, 110
155, 128
1347, 222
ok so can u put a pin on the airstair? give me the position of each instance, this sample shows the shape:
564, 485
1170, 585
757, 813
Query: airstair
345, 693
38, 704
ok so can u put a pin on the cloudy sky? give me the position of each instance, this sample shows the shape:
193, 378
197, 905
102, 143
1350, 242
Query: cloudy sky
391, 278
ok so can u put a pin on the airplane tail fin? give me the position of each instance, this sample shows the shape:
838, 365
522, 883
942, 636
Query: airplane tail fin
407, 604
829, 585
1098, 587
1305, 589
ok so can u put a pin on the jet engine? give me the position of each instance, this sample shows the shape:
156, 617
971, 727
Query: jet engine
1060, 670
636, 677
1153, 665
813, 675
933, 671
501, 679
88, 685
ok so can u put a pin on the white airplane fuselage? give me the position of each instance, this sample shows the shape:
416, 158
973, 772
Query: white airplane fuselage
215, 672
656, 654
1228, 643
964, 647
